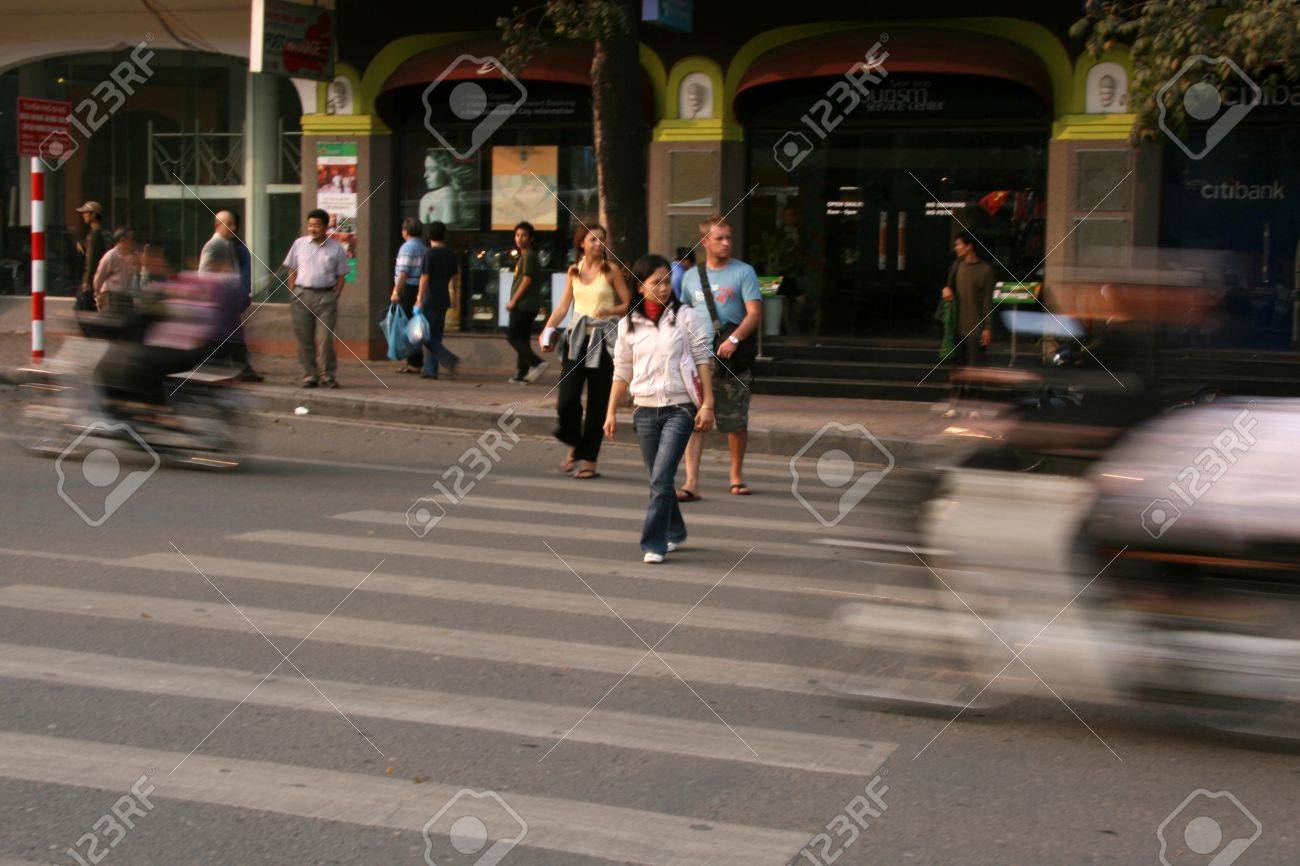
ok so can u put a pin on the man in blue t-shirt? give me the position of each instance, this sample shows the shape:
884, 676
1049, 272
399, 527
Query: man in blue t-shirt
739, 302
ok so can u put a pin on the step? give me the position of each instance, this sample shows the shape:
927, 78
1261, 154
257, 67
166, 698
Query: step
865, 389
809, 369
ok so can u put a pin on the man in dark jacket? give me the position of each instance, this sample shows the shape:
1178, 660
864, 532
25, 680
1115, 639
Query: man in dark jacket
96, 242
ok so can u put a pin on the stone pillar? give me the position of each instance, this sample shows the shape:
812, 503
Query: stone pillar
1103, 196
365, 298
692, 177
261, 158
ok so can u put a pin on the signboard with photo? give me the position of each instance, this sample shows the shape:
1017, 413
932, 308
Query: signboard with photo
446, 190
522, 180
336, 193
292, 39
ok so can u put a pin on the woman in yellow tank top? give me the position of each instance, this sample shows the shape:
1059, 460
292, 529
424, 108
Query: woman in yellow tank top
599, 297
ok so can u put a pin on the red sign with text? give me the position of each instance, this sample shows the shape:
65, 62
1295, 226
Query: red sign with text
42, 123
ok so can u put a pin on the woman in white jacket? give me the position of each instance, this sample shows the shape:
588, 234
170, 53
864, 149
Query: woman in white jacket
661, 358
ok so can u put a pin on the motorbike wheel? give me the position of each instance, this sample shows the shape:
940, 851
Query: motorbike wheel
948, 675
38, 424
213, 419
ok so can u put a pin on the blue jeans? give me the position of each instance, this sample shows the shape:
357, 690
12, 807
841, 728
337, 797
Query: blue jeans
663, 433
434, 350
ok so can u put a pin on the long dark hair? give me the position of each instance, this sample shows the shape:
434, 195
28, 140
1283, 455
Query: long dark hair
579, 236
643, 270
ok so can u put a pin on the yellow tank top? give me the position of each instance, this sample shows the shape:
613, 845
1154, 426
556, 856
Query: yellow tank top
589, 297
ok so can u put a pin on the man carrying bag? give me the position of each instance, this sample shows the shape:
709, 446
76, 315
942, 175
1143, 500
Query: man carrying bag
724, 292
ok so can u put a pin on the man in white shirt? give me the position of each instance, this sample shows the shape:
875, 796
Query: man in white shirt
317, 265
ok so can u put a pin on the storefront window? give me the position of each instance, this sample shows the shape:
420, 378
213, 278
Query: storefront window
183, 128
1236, 213
864, 224
482, 195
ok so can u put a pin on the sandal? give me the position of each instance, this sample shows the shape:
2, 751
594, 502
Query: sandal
566, 466
685, 495
740, 489
587, 472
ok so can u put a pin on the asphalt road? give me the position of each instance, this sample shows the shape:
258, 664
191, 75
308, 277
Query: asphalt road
452, 678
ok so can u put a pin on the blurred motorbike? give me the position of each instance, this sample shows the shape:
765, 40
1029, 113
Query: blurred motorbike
1138, 548
63, 409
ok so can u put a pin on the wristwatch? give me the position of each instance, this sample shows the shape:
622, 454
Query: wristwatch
733, 341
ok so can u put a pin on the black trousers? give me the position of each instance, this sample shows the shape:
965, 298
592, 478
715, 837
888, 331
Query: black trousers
967, 353
584, 433
519, 333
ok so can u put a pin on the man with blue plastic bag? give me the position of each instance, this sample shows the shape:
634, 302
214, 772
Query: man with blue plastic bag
439, 271
406, 286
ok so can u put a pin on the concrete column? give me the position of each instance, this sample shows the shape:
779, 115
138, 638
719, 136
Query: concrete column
364, 300
261, 162
690, 180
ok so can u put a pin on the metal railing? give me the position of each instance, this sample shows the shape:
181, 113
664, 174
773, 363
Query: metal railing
217, 158
288, 169
196, 158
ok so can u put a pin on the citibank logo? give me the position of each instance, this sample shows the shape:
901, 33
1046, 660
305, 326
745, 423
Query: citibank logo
1272, 94
1244, 191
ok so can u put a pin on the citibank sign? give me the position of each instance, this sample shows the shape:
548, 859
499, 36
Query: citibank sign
1272, 94
1275, 191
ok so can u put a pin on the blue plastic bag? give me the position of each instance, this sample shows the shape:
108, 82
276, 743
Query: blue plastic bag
417, 329
394, 325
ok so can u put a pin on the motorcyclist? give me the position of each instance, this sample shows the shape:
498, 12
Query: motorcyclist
177, 325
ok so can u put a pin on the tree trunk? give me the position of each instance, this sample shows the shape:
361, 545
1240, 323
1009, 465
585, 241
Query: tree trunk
617, 129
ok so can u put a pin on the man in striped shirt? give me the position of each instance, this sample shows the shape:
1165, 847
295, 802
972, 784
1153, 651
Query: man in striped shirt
406, 280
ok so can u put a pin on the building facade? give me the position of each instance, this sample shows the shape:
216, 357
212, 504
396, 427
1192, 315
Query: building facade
847, 149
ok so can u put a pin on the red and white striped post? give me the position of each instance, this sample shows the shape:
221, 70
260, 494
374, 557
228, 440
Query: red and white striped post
38, 261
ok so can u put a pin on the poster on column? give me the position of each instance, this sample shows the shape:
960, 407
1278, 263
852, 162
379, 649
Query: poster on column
336, 194
522, 180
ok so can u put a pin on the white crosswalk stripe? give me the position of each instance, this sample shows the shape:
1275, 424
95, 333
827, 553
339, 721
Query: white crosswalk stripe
806, 752
454, 523
586, 829
792, 580
578, 602
427, 640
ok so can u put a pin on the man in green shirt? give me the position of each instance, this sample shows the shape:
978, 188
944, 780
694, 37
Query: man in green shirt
525, 301
970, 282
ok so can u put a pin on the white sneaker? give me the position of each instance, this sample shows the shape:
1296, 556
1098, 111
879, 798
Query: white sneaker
517, 380
535, 372
653, 558
673, 545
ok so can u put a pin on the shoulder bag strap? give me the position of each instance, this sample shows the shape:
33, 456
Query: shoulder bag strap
707, 291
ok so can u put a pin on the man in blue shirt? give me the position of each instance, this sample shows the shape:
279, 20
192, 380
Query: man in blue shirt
406, 280
677, 270
734, 287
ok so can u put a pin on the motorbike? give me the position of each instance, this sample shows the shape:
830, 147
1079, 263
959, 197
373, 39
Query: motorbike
1137, 562
61, 409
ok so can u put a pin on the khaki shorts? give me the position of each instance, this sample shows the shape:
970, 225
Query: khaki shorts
731, 396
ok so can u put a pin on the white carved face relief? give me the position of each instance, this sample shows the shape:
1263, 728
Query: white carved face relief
695, 97
1107, 89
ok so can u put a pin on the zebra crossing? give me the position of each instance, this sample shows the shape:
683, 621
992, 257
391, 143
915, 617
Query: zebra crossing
735, 641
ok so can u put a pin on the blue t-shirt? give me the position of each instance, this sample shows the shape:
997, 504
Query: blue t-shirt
675, 273
732, 286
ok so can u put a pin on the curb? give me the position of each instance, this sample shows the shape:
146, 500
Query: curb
541, 422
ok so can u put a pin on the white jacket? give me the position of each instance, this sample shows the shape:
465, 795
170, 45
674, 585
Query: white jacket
659, 362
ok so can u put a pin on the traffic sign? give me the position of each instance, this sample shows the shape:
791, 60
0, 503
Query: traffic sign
43, 127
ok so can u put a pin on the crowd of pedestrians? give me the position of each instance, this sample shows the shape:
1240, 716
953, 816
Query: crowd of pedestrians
679, 342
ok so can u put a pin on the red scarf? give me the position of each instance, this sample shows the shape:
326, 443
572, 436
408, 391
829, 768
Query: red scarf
653, 309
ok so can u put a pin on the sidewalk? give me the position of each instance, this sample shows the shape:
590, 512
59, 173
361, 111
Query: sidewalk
375, 391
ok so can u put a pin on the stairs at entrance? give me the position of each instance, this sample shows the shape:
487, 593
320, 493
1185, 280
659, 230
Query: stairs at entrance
894, 369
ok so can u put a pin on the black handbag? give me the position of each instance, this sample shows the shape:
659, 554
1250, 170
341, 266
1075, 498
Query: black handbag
746, 349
